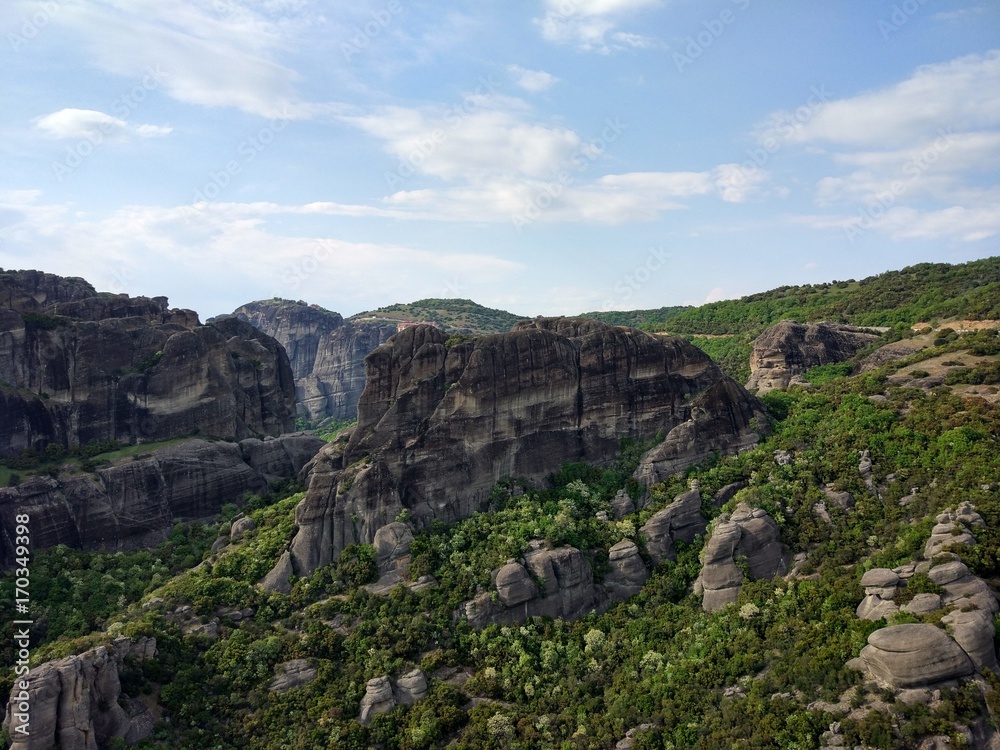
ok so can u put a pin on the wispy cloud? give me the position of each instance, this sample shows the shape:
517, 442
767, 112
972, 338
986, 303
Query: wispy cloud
533, 81
93, 125
591, 25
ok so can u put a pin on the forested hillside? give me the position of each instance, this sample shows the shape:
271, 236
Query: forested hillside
769, 671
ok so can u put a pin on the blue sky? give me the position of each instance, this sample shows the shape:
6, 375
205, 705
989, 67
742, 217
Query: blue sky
543, 156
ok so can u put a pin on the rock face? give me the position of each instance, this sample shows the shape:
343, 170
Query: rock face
136, 502
680, 521
914, 655
748, 533
76, 702
906, 656
438, 426
381, 697
292, 674
78, 366
327, 353
555, 583
787, 349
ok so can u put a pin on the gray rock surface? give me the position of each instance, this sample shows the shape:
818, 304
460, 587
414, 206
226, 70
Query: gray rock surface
102, 366
749, 533
76, 702
787, 349
628, 572
914, 655
410, 688
134, 503
292, 674
438, 426
681, 520
326, 352
378, 699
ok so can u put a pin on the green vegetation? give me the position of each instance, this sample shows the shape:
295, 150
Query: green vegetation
42, 322
461, 316
825, 373
656, 658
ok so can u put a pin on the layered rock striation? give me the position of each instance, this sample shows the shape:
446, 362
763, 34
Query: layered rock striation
787, 349
135, 503
439, 426
327, 353
77, 365
76, 703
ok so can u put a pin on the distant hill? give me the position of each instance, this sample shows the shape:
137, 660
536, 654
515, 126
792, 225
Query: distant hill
452, 315
917, 293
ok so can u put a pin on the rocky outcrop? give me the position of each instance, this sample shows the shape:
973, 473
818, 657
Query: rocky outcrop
906, 656
327, 353
439, 426
134, 503
627, 572
77, 366
787, 349
381, 696
76, 703
749, 534
681, 520
292, 674
914, 655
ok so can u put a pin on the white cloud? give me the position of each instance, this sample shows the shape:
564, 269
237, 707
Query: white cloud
921, 156
534, 81
93, 125
235, 246
959, 95
211, 54
591, 24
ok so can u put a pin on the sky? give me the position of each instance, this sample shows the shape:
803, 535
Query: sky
546, 157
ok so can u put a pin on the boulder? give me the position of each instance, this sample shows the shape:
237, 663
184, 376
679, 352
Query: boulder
914, 655
410, 688
240, 527
378, 699
922, 604
749, 533
622, 505
973, 630
628, 572
680, 520
514, 585
292, 674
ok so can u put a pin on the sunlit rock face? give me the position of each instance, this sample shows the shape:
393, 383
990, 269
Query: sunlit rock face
438, 426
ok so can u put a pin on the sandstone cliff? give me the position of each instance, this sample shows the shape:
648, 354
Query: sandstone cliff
77, 365
136, 502
787, 349
438, 426
327, 353
76, 703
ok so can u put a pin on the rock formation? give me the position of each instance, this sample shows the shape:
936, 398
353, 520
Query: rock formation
76, 702
439, 426
327, 353
787, 349
749, 533
922, 655
77, 366
558, 582
681, 520
292, 674
135, 503
381, 696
